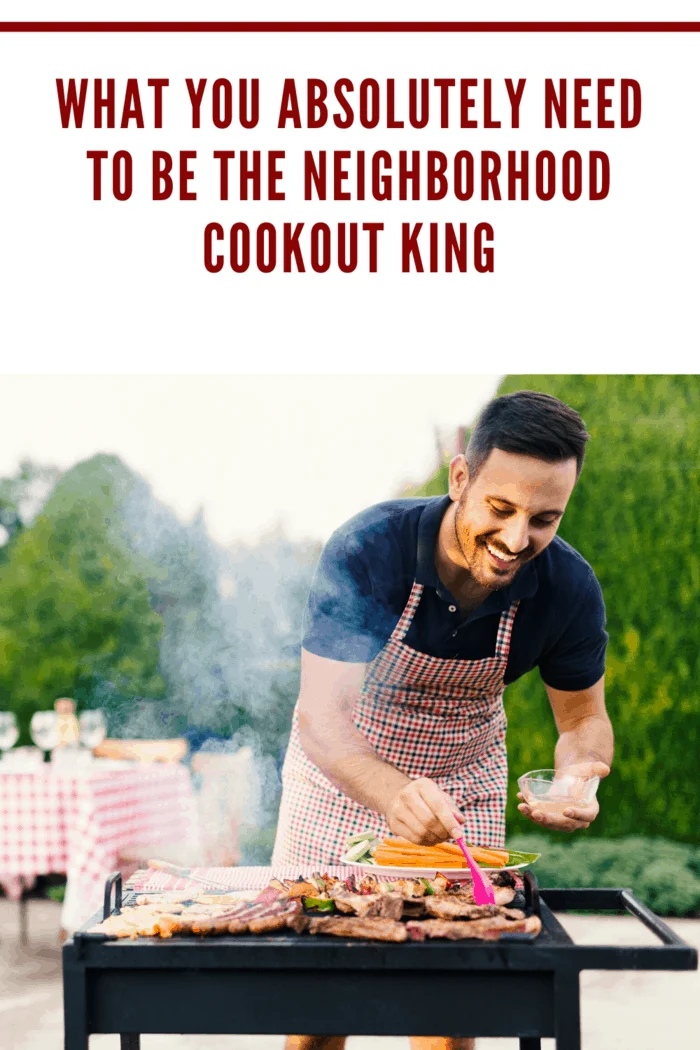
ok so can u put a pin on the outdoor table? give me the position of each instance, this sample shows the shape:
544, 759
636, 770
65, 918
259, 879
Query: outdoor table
78, 820
284, 983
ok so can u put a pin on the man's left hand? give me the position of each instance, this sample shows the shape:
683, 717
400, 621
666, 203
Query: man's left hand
575, 817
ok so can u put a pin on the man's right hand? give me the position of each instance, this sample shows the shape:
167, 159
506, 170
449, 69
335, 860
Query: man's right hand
422, 813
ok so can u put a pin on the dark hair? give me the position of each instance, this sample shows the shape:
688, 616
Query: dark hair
529, 424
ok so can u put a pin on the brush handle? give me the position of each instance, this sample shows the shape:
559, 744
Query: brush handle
483, 890
171, 869
186, 873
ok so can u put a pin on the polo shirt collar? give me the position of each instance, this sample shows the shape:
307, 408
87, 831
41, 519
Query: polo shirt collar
524, 585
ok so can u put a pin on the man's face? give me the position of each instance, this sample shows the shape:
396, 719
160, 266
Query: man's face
508, 514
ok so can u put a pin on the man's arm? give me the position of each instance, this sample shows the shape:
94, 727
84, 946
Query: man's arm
584, 747
415, 809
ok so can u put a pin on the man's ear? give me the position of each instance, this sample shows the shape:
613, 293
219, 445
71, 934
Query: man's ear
458, 476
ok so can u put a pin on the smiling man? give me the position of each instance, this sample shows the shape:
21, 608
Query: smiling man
421, 612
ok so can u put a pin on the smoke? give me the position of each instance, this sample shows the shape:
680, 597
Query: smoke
230, 650
229, 654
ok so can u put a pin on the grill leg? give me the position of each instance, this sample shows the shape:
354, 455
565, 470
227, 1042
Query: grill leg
23, 931
130, 1041
74, 1004
528, 1042
567, 1013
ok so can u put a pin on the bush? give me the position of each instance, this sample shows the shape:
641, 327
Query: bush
664, 875
635, 516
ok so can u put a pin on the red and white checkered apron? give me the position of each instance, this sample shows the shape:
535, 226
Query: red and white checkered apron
429, 717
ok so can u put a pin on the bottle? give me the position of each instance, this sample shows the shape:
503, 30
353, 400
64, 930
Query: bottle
68, 727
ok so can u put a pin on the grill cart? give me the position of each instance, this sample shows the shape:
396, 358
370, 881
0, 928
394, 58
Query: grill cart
288, 983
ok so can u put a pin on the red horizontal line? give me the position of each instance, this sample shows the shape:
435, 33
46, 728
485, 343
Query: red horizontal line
350, 27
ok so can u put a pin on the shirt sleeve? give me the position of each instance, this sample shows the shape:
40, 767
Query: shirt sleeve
577, 659
342, 621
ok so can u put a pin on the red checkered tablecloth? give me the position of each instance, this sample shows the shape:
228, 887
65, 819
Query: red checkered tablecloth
79, 822
243, 878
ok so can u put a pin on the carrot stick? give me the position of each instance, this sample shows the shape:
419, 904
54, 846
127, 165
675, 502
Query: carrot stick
449, 847
433, 859
416, 862
420, 859
482, 854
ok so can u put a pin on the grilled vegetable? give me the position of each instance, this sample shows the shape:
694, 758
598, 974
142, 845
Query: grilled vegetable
318, 904
302, 888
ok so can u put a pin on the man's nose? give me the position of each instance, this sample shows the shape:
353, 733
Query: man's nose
516, 536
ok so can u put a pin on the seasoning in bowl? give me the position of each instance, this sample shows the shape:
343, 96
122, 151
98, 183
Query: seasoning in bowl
555, 790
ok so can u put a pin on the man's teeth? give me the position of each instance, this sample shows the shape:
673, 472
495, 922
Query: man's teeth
500, 555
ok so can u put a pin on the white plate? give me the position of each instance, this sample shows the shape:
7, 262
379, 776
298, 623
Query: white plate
421, 873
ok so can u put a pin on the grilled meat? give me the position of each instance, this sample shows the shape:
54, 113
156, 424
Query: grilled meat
502, 878
265, 918
365, 929
503, 895
370, 905
410, 888
370, 909
302, 888
237, 926
226, 898
162, 900
413, 909
268, 923
138, 922
447, 907
480, 929
298, 922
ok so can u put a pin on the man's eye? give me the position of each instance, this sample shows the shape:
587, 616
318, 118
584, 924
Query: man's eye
502, 512
541, 523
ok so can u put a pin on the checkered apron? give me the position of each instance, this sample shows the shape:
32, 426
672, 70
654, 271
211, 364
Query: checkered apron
429, 717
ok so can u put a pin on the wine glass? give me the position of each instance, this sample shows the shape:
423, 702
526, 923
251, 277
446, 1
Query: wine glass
9, 733
93, 728
44, 729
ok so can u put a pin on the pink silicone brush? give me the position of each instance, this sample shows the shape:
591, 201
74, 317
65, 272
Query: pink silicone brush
483, 890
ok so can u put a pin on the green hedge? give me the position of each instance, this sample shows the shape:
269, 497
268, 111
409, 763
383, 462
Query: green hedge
635, 516
665, 875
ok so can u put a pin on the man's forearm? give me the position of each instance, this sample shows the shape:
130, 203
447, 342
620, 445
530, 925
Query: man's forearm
350, 762
591, 740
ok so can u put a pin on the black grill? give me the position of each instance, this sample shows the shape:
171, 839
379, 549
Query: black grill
288, 983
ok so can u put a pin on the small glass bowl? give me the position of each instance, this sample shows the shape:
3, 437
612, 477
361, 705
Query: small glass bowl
554, 790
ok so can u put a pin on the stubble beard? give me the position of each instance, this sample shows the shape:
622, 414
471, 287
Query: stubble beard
496, 579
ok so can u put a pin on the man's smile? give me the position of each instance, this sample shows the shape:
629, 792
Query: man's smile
503, 558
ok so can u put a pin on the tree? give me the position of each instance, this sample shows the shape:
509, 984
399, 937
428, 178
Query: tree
22, 497
75, 615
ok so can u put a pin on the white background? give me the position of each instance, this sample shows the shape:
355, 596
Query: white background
255, 452
120, 287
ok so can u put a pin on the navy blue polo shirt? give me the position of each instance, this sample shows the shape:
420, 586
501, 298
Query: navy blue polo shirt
364, 578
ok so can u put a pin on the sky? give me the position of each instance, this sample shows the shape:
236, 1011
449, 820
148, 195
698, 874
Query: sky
254, 452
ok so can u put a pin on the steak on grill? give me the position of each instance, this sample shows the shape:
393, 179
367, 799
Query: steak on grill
365, 929
479, 929
446, 907
368, 905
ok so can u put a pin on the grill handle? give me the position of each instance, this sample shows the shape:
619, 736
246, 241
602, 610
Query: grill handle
115, 879
650, 919
532, 892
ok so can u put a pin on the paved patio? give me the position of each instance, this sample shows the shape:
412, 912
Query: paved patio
620, 1011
